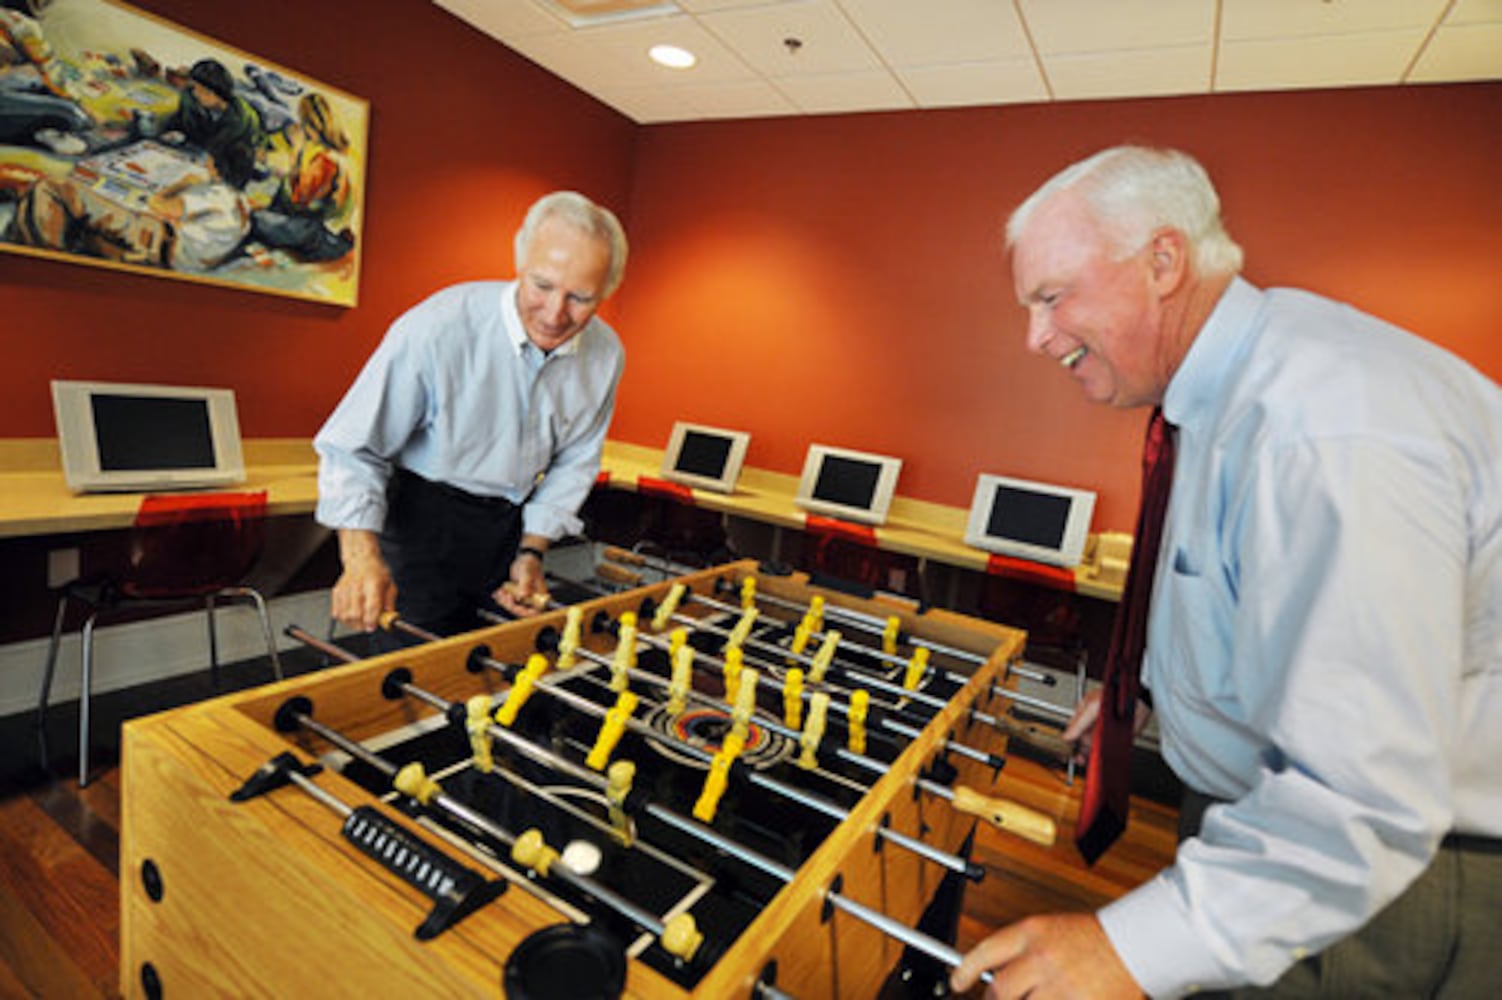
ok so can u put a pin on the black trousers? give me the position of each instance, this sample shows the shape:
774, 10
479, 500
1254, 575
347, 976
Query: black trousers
448, 551
1440, 938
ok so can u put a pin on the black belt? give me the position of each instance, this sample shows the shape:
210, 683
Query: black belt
1472, 842
407, 478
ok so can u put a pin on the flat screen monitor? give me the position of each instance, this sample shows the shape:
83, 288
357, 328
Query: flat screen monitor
118, 437
845, 484
1037, 521
709, 458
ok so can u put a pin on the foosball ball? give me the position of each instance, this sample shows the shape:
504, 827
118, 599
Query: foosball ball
728, 784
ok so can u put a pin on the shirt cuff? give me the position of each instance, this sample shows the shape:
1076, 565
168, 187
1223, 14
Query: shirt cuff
361, 514
549, 522
1152, 934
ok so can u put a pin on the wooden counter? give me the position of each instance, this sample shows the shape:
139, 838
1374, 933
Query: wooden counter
913, 527
34, 500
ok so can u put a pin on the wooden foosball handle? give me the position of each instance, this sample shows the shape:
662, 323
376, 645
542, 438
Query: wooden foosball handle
618, 574
1047, 740
1004, 814
623, 556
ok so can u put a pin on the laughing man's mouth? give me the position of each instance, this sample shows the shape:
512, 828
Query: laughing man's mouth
1074, 357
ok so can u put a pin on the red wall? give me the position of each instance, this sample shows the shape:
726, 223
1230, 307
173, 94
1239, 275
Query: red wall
464, 135
843, 280
838, 279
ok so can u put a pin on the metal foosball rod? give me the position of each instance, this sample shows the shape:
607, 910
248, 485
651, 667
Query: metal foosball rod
1010, 816
1001, 813
902, 691
677, 935
1037, 704
883, 720
715, 665
456, 891
869, 622
865, 649
1050, 742
930, 946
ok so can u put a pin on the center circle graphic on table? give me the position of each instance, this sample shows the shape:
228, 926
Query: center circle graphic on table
706, 728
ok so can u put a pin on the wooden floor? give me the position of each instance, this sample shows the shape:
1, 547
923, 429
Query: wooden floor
59, 854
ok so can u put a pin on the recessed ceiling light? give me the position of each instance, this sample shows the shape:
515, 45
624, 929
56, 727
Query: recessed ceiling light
672, 56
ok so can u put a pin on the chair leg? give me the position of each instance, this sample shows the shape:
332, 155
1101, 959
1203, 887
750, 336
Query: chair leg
52, 648
253, 595
208, 605
84, 697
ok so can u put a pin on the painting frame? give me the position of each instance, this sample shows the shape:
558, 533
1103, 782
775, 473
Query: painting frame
132, 143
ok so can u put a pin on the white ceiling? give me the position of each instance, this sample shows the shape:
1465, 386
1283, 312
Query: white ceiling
877, 55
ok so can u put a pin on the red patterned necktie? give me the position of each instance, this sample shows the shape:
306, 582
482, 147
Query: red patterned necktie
1103, 807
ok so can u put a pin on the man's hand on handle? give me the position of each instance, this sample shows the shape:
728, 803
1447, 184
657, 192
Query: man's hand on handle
526, 593
1059, 955
364, 590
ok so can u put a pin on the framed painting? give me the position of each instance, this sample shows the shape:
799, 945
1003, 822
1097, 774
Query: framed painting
130, 142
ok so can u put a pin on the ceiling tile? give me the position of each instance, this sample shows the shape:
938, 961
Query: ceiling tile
940, 31
1249, 19
743, 99
832, 93
1146, 72
703, 6
651, 104
1011, 81
504, 18
583, 66
861, 55
829, 44
1060, 26
1376, 57
1467, 52
628, 44
1475, 12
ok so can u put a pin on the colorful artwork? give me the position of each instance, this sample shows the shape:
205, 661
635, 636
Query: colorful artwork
130, 142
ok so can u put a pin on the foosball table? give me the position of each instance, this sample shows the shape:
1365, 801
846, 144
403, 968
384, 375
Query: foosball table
731, 783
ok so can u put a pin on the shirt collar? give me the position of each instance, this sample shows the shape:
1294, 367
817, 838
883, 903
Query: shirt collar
1217, 349
511, 319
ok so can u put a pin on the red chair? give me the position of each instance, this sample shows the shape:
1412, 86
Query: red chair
191, 548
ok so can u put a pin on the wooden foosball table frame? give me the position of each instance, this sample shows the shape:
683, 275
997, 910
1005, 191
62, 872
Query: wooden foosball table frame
266, 898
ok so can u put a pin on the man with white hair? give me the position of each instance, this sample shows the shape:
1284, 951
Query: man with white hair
1324, 640
474, 433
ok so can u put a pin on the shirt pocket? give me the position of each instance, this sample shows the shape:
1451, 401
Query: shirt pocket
1197, 654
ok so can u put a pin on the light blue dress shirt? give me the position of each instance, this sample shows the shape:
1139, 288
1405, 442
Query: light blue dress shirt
1325, 639
457, 394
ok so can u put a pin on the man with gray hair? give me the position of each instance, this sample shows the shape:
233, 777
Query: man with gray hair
1324, 640
474, 433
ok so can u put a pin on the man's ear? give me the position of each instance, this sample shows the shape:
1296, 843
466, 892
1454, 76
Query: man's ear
1168, 260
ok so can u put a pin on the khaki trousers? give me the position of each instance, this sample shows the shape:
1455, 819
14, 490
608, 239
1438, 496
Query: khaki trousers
1441, 938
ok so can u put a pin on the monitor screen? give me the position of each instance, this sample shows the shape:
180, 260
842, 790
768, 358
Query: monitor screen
1034, 518
705, 457
847, 481
1030, 520
152, 432
853, 485
123, 437
703, 454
